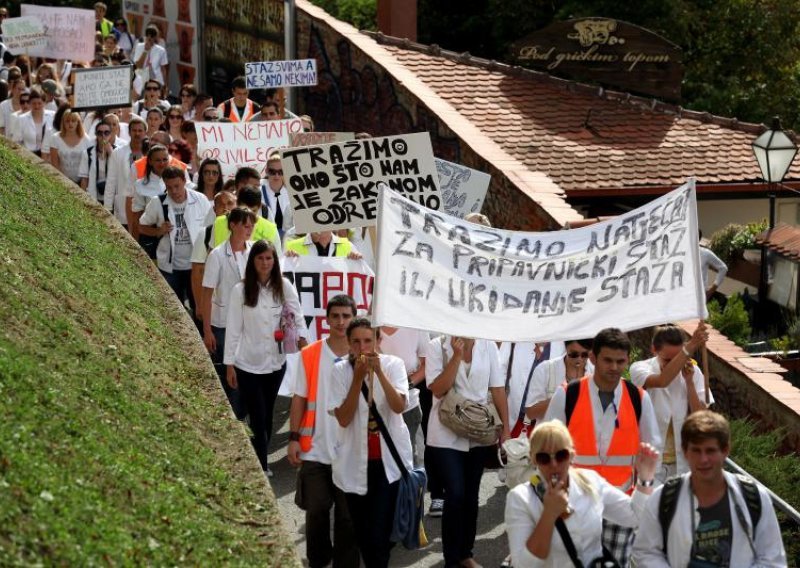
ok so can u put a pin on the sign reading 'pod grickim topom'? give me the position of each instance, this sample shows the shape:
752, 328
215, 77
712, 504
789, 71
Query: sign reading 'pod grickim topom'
102, 87
336, 186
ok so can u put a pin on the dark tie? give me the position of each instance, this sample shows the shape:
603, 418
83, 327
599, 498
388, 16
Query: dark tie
278, 212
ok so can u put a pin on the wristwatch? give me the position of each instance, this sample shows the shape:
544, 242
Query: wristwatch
294, 436
645, 482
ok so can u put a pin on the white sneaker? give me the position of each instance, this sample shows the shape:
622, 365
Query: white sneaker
437, 508
268, 472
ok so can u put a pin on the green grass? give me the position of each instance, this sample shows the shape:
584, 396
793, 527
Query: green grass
115, 446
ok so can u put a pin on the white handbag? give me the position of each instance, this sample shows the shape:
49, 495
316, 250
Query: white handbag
514, 456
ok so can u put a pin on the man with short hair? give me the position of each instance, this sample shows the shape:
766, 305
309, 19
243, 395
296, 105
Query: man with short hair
608, 419
238, 108
708, 517
150, 58
119, 182
677, 388
102, 24
269, 111
178, 217
201, 102
312, 443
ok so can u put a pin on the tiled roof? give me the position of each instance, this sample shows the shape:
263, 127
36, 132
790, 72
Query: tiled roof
584, 137
783, 239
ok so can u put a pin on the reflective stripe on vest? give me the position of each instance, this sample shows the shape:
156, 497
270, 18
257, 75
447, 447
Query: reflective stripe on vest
233, 115
263, 229
617, 466
311, 354
343, 247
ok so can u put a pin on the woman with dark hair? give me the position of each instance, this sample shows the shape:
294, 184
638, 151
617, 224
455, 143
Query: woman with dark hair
150, 186
155, 121
254, 355
180, 150
209, 178
173, 124
34, 126
188, 96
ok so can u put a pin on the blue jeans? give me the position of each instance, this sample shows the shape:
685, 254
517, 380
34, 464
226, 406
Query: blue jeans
216, 358
461, 474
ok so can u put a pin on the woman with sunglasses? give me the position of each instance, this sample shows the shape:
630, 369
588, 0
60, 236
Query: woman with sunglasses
209, 178
548, 376
151, 98
578, 498
174, 122
188, 96
65, 147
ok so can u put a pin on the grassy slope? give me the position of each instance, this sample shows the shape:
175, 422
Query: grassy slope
115, 444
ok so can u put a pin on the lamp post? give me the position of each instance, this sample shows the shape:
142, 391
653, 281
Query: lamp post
774, 152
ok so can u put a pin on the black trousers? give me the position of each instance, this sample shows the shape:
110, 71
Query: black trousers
373, 516
258, 394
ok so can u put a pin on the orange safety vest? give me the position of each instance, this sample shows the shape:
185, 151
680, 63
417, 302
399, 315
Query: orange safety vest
141, 165
311, 355
228, 110
617, 466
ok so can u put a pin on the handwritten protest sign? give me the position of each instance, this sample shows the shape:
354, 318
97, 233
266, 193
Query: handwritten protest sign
335, 186
317, 138
440, 273
272, 74
70, 32
23, 34
463, 189
102, 87
244, 143
318, 279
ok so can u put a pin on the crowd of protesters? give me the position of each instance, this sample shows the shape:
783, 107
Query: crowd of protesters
609, 455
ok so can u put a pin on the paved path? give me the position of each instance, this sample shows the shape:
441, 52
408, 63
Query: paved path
491, 545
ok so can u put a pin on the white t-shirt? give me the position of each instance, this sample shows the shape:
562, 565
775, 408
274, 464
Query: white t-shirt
69, 156
182, 249
669, 403
350, 461
153, 61
409, 345
472, 383
548, 377
224, 269
323, 445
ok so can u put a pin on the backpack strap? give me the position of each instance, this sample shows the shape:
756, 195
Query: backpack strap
384, 432
510, 365
207, 240
751, 498
636, 398
667, 504
164, 210
226, 108
573, 390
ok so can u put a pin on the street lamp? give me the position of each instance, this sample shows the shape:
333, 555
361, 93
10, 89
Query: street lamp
774, 152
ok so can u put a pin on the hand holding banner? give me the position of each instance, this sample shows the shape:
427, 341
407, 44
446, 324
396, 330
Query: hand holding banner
70, 32
439, 273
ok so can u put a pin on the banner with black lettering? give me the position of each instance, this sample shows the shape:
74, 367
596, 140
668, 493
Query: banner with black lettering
439, 273
335, 186
318, 279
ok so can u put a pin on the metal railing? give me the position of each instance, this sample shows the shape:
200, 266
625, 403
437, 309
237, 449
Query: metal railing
779, 503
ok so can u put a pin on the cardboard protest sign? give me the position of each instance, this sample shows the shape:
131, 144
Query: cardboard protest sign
439, 273
70, 32
102, 87
273, 74
244, 143
317, 138
335, 186
463, 189
318, 279
23, 34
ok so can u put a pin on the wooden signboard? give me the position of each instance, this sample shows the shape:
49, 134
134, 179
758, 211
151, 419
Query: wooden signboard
606, 51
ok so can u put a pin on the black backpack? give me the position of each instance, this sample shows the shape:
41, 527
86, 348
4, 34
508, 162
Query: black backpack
668, 502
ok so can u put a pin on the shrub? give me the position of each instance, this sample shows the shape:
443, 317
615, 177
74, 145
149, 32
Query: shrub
729, 242
732, 321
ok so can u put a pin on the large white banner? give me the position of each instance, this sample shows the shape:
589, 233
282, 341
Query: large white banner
238, 144
70, 32
335, 186
439, 273
463, 189
318, 279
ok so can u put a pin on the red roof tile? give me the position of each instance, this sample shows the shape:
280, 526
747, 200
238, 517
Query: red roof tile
783, 239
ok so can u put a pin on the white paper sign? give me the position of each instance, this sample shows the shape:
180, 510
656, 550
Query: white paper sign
463, 189
70, 32
318, 138
335, 186
439, 273
102, 87
318, 279
23, 34
244, 143
273, 74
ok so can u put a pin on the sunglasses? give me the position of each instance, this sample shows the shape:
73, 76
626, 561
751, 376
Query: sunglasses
103, 133
543, 458
210, 172
185, 95
272, 172
24, 101
152, 88
576, 354
175, 116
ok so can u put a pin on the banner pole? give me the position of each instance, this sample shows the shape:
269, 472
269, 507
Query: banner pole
706, 379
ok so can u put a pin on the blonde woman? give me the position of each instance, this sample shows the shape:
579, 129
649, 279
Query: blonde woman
66, 147
579, 497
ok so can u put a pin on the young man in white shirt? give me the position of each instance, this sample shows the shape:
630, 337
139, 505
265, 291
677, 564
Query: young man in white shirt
677, 388
364, 467
708, 517
312, 444
608, 419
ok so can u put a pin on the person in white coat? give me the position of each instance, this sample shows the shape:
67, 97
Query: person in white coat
580, 498
186, 211
95, 161
363, 466
712, 521
119, 183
